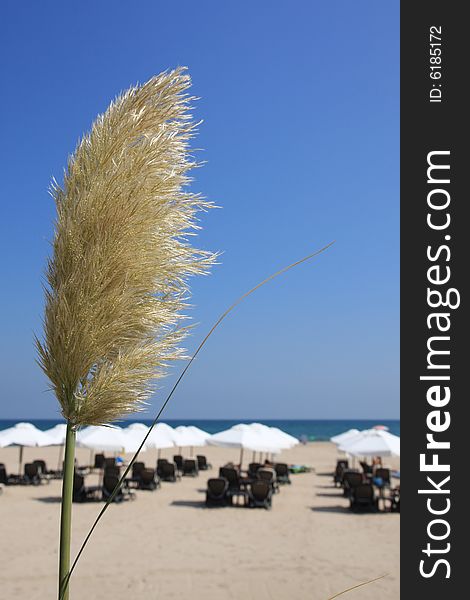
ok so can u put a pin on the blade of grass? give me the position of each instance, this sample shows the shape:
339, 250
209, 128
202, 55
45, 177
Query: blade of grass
182, 374
357, 586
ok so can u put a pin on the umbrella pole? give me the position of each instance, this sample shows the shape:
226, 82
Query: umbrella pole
66, 513
241, 457
20, 463
158, 453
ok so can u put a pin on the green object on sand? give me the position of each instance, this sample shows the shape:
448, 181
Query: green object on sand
299, 469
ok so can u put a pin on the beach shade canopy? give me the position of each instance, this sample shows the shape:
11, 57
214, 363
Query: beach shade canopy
113, 439
24, 434
190, 436
57, 434
4, 440
162, 436
372, 442
342, 438
279, 438
244, 436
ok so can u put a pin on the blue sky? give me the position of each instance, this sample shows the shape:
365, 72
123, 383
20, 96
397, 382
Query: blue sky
301, 139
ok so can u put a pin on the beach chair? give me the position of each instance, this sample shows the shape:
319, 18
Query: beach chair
363, 498
282, 473
338, 475
260, 494
178, 460
366, 469
190, 468
109, 484
253, 469
269, 475
343, 463
6, 479
234, 484
44, 473
137, 469
167, 471
216, 493
81, 493
31, 474
112, 470
148, 480
109, 462
351, 479
381, 477
160, 462
202, 463
231, 475
99, 461
3, 474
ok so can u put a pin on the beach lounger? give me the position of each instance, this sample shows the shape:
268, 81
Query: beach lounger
109, 462
231, 475
99, 461
160, 462
260, 494
282, 473
253, 469
148, 480
338, 475
45, 473
216, 493
269, 475
235, 487
31, 474
381, 477
167, 471
190, 468
178, 460
8, 479
366, 469
363, 498
109, 484
112, 470
81, 493
351, 479
202, 463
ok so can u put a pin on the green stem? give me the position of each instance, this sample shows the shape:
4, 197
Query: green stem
66, 513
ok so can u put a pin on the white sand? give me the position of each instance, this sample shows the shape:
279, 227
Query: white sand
164, 545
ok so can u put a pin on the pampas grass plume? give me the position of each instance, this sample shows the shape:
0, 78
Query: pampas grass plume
117, 279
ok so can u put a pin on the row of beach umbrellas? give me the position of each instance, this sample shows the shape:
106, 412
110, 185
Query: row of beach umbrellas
255, 437
376, 441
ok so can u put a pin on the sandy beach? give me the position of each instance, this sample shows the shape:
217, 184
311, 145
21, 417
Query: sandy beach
165, 544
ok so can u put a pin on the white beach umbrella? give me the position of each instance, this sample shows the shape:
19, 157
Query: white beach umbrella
246, 438
57, 434
276, 436
341, 438
162, 436
24, 434
187, 436
372, 442
112, 439
202, 435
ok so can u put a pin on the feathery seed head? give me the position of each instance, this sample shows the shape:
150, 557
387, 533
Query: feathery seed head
117, 279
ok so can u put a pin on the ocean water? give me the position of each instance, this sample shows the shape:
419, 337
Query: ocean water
313, 429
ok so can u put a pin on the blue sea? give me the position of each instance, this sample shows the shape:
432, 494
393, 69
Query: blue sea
312, 429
